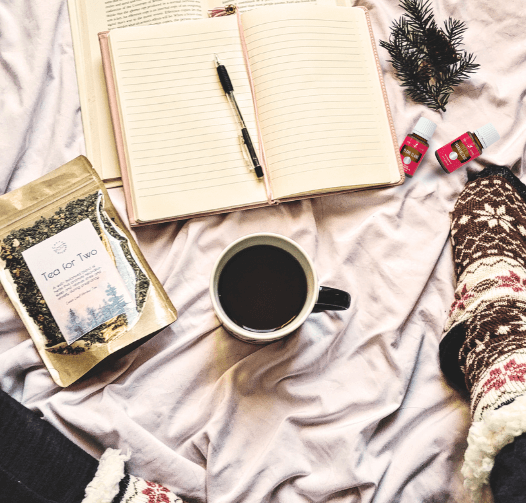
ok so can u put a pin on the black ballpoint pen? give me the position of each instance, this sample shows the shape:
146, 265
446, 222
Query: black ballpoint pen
229, 91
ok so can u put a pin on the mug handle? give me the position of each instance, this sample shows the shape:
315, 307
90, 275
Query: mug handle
331, 299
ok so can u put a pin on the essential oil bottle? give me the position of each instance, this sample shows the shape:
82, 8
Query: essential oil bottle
416, 144
466, 147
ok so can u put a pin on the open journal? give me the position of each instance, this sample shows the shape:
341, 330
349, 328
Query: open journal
310, 91
88, 18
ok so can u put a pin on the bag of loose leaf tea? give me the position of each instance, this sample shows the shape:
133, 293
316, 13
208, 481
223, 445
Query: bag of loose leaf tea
74, 273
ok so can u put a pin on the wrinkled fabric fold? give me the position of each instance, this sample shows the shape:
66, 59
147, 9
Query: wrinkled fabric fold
353, 406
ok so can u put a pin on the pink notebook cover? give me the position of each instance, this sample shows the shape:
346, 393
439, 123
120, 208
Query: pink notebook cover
119, 140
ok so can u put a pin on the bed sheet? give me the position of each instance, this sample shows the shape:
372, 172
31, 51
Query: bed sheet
350, 408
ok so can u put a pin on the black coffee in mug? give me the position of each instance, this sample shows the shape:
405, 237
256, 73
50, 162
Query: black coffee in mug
262, 288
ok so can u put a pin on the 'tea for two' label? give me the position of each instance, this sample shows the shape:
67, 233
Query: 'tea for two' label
78, 279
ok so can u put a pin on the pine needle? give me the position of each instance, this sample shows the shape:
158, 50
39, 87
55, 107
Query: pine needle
427, 59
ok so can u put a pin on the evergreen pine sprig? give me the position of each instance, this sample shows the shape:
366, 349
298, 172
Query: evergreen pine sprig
427, 59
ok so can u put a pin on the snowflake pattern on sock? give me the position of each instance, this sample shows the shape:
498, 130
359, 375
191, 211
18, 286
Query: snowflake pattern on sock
488, 234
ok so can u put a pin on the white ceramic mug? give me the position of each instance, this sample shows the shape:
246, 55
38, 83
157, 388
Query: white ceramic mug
317, 299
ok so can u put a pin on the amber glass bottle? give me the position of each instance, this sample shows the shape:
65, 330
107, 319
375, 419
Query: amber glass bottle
466, 147
416, 144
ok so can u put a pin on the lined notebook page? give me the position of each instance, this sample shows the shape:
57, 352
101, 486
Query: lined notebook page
320, 104
181, 136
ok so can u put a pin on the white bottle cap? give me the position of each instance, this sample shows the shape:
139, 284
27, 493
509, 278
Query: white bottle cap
487, 135
424, 128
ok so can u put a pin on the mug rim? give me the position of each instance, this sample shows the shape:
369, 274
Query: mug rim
263, 337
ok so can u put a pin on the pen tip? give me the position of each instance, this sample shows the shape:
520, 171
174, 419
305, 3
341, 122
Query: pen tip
217, 59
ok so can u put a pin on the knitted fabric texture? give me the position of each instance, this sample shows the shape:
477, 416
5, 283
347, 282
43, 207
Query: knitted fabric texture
486, 442
137, 490
487, 319
105, 485
112, 484
484, 346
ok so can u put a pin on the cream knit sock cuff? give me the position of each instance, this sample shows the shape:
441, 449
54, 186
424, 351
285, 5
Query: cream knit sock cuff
111, 484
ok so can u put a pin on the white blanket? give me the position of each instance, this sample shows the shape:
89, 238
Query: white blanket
350, 408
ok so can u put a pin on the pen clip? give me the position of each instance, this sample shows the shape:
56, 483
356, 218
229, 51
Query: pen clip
246, 153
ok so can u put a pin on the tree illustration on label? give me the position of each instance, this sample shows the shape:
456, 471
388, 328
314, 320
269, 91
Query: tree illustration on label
75, 324
80, 323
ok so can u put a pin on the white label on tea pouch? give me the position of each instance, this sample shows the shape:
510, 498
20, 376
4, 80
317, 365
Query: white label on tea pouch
78, 280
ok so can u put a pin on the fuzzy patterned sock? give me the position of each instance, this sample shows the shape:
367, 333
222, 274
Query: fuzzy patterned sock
38, 464
484, 346
136, 490
112, 484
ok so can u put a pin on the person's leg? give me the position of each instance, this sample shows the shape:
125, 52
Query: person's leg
483, 350
508, 476
36, 460
38, 464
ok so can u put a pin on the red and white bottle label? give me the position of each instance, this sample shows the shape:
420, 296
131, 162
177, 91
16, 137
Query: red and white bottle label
412, 152
458, 152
